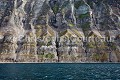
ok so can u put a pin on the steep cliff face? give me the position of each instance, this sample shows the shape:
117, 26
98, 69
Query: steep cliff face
59, 31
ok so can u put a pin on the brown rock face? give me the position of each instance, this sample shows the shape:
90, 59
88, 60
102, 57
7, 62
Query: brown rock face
59, 31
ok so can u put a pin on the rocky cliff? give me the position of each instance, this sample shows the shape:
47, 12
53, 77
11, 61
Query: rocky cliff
59, 30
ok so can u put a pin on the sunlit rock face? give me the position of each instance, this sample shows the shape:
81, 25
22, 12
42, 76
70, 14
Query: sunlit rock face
58, 31
8, 48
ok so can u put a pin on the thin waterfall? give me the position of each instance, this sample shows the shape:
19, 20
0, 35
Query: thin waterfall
73, 11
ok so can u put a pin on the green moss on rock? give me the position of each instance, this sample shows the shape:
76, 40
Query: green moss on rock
81, 16
86, 26
78, 4
71, 24
91, 45
50, 55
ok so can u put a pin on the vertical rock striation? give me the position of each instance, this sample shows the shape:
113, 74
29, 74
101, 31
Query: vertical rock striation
59, 31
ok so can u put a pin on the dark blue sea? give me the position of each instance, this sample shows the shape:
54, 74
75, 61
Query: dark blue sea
59, 71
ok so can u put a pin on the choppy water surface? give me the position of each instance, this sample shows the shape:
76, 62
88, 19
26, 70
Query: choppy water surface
59, 71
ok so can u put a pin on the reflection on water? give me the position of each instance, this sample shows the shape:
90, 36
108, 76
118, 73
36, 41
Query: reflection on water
59, 71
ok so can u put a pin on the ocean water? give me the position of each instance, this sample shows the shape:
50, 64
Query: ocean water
59, 71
